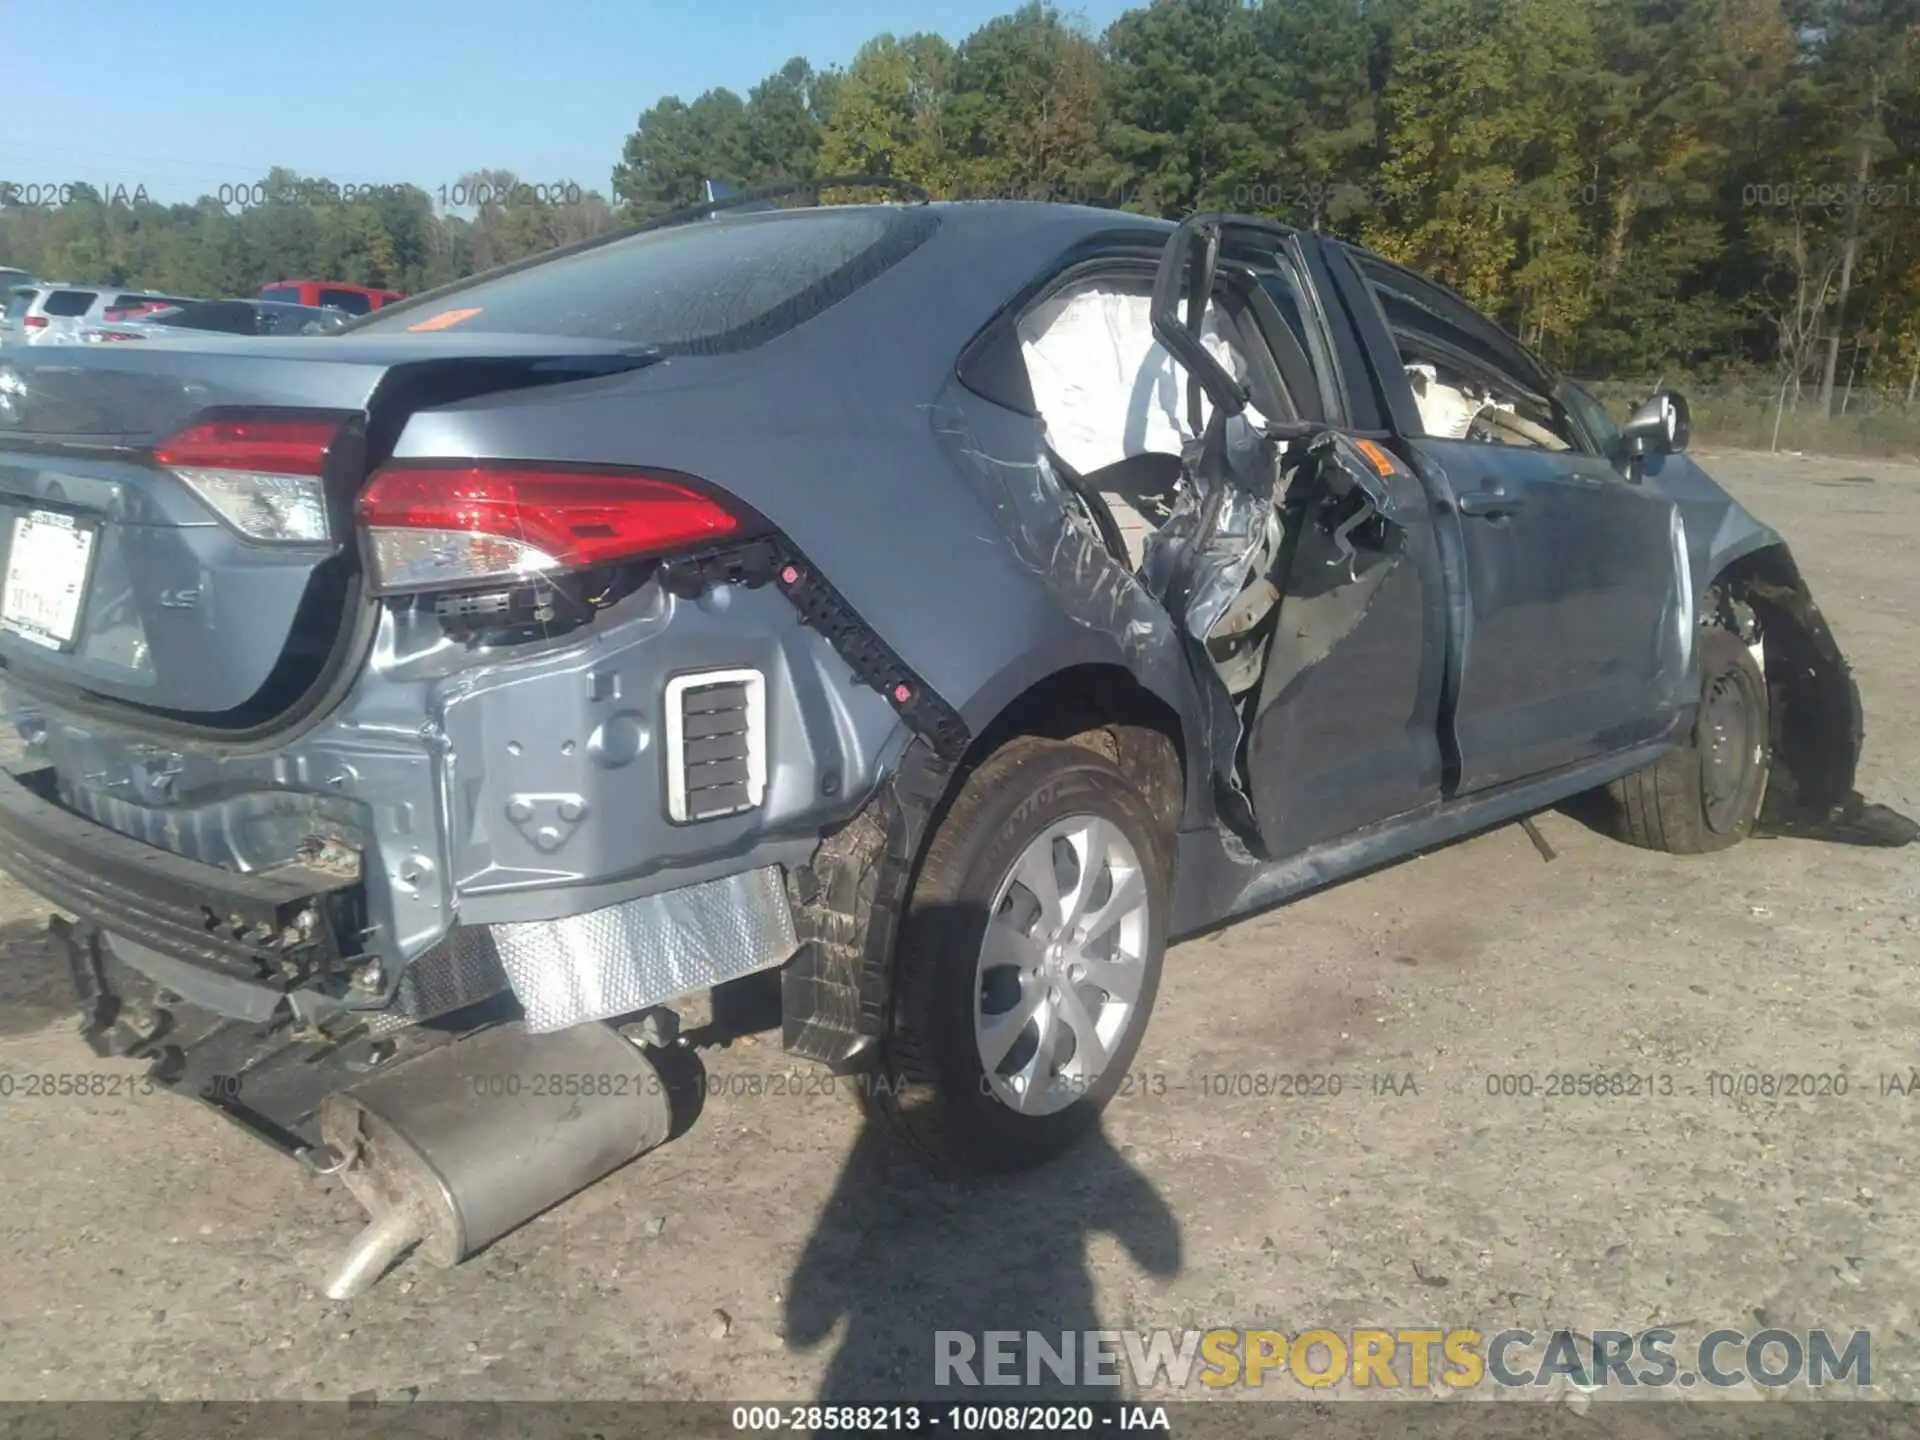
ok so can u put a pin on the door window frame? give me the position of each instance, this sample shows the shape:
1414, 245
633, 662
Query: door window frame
1500, 355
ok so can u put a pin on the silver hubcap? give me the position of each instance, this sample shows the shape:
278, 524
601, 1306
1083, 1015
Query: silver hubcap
1061, 965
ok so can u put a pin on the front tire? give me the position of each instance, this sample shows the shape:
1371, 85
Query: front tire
1028, 962
1706, 795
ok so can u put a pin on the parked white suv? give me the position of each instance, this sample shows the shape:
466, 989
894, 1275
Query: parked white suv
52, 314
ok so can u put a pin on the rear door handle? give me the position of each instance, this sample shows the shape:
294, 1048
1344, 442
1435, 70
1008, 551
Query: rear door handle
1491, 504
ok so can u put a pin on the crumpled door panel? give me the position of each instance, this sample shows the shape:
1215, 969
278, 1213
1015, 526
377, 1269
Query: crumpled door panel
1344, 729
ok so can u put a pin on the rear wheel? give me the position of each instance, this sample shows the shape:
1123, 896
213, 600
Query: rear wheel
1028, 961
1706, 795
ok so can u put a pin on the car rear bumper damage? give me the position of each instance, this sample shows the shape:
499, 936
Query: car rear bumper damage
449, 1134
463, 830
239, 989
268, 1076
196, 969
265, 930
526, 794
287, 944
376, 946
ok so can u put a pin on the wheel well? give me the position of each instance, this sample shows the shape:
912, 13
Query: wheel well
1812, 698
837, 993
1106, 709
1771, 564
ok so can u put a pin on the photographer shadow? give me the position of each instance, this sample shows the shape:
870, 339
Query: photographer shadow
900, 1254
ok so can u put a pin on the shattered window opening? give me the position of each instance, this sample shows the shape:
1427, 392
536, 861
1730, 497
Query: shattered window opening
1466, 385
1113, 400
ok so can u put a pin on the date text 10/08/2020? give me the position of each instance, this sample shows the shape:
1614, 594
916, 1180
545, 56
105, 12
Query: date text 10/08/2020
953, 1419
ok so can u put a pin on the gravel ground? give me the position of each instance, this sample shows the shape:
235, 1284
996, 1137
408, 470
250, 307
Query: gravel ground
148, 1250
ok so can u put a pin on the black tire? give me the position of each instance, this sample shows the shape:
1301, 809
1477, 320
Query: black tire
1704, 797
932, 1091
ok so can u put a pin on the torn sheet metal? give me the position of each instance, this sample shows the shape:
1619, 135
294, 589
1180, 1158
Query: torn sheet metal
623, 958
1203, 557
1005, 454
1033, 508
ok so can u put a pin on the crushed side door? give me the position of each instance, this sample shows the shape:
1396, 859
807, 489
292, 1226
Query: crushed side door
1301, 566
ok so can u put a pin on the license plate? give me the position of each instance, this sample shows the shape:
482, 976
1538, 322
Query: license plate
46, 578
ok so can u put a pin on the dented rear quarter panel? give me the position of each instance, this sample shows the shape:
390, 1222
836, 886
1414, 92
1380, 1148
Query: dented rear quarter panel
924, 505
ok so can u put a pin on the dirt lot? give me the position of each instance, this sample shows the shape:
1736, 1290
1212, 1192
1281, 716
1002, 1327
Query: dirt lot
148, 1250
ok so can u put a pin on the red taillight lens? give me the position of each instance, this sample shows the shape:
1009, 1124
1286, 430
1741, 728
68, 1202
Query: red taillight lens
434, 526
272, 445
260, 474
35, 322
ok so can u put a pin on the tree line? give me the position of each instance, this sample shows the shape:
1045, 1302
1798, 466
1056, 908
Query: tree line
287, 225
1637, 187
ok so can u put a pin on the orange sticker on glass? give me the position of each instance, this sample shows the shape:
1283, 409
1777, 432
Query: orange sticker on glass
1378, 458
444, 320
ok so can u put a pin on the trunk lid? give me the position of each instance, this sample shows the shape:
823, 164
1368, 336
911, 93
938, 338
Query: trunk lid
121, 588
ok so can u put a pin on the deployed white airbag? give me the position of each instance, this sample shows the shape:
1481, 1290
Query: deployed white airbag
1450, 413
1105, 387
1445, 412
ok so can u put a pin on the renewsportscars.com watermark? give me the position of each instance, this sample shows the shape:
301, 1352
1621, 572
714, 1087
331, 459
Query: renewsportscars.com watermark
1413, 1359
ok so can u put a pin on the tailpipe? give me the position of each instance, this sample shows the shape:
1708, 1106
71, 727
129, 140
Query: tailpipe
452, 1150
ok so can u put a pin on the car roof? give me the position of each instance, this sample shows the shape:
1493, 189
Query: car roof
985, 216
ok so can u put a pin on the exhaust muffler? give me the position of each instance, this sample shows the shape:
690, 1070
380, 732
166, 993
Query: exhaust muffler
452, 1150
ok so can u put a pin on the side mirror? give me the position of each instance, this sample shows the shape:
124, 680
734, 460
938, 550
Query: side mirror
1661, 426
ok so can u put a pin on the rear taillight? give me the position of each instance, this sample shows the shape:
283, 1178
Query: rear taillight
440, 527
260, 475
35, 322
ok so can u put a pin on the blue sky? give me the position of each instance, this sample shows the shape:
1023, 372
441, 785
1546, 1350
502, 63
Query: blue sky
182, 96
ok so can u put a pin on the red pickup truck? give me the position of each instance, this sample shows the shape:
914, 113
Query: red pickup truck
354, 299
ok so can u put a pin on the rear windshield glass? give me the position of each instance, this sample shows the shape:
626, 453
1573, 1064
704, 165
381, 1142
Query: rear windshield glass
703, 287
287, 294
68, 302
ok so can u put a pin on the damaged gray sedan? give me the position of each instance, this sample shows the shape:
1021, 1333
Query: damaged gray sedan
944, 606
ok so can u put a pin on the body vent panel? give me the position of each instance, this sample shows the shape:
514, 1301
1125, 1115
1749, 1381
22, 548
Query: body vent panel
716, 744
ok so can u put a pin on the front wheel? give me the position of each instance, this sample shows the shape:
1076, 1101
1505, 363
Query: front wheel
1706, 795
1028, 962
